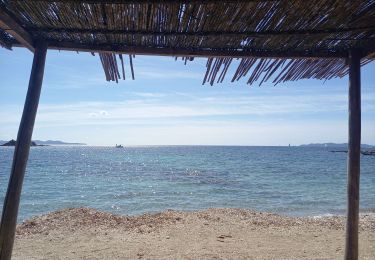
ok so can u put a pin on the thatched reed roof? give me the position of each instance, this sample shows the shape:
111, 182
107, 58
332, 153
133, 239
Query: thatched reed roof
278, 40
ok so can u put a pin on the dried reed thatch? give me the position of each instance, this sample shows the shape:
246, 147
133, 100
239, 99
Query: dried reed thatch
278, 40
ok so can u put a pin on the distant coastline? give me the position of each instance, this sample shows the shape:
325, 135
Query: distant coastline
13, 143
40, 143
336, 145
318, 145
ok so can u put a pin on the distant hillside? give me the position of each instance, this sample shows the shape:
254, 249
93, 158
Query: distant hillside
48, 142
13, 143
56, 142
342, 145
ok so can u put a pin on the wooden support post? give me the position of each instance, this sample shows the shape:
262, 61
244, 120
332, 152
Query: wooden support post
21, 154
354, 155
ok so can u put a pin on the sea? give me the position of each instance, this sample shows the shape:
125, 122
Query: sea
293, 181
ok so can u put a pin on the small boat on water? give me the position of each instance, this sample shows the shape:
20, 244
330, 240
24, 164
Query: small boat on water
119, 146
370, 152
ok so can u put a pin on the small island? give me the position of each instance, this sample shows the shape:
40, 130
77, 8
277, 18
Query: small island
366, 149
39, 143
13, 143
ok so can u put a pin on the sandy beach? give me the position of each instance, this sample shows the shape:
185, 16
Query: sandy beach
82, 233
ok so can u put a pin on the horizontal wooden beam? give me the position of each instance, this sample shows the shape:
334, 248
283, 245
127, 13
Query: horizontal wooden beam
198, 33
11, 26
370, 55
181, 52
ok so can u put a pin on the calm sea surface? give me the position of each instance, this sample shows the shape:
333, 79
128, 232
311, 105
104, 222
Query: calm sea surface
292, 181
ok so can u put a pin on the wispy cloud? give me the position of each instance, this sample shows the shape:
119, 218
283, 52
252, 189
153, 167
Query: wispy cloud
101, 113
151, 73
182, 118
166, 104
76, 81
147, 94
170, 106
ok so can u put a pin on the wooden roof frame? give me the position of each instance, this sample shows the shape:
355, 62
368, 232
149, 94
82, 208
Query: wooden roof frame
345, 61
23, 36
10, 25
79, 36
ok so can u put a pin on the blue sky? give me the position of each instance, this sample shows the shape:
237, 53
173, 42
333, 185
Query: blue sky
167, 104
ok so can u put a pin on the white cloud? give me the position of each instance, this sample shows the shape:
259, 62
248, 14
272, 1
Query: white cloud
100, 114
183, 118
192, 106
147, 94
103, 113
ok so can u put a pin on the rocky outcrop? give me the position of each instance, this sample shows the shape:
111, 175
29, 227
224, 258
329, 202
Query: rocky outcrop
13, 143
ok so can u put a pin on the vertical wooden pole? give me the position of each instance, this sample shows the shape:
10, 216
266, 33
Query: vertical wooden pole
21, 154
354, 155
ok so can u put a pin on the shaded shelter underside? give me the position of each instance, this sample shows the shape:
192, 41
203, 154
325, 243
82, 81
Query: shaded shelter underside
275, 39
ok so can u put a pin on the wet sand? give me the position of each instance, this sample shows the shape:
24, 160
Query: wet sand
210, 234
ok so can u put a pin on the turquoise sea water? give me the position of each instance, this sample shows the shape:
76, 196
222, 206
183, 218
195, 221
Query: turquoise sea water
287, 180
